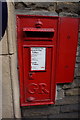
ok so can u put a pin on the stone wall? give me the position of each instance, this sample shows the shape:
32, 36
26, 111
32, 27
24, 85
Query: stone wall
67, 103
72, 7
7, 101
9, 67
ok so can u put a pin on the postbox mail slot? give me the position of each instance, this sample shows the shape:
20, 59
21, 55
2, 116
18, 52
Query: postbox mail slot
38, 33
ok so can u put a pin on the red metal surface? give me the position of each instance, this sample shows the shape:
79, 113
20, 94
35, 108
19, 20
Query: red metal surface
59, 36
36, 87
67, 46
39, 29
79, 24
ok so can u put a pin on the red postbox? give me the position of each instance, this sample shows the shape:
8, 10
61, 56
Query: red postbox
67, 46
41, 42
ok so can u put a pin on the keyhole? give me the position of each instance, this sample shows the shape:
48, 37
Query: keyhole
31, 76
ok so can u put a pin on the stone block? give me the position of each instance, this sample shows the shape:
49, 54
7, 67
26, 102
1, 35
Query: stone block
35, 117
52, 109
76, 65
74, 84
7, 102
0, 87
78, 59
19, 5
78, 51
69, 7
70, 108
68, 100
11, 29
59, 92
75, 91
66, 86
67, 14
64, 115
34, 111
43, 5
77, 71
4, 45
36, 5
40, 111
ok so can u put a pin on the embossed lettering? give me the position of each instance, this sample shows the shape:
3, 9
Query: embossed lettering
37, 88
42, 88
32, 88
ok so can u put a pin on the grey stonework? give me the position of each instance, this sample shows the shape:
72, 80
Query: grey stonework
67, 99
40, 111
74, 91
64, 115
70, 7
67, 102
7, 100
78, 51
70, 108
36, 6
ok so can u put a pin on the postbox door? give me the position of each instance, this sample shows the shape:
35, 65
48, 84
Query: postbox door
38, 63
67, 46
37, 39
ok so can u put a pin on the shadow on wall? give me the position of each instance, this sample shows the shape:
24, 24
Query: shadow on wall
3, 21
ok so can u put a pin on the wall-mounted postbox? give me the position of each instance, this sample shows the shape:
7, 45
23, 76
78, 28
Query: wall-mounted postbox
46, 56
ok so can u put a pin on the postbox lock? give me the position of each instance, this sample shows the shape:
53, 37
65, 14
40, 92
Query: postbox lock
38, 24
30, 99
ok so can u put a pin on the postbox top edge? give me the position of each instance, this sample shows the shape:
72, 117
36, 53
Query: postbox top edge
43, 16
36, 13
